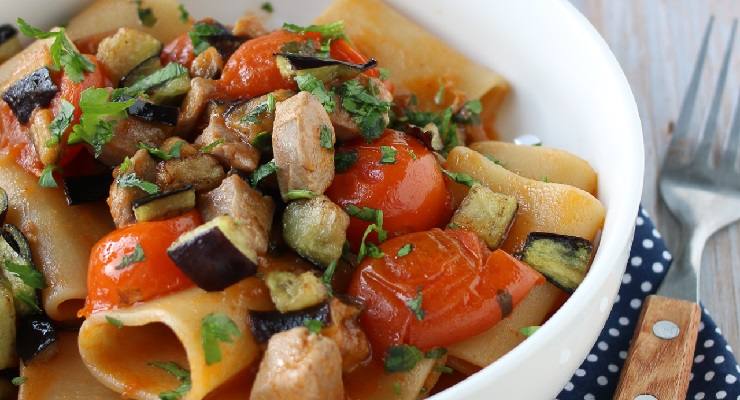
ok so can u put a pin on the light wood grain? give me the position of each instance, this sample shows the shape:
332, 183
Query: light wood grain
656, 42
658, 366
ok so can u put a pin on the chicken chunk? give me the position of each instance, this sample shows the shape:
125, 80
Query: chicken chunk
186, 149
207, 64
120, 198
201, 92
345, 126
299, 365
252, 210
128, 134
252, 117
302, 158
232, 152
346, 333
201, 170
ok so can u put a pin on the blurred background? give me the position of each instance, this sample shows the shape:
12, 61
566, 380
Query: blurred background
656, 42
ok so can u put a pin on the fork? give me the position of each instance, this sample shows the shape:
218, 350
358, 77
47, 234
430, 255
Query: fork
704, 196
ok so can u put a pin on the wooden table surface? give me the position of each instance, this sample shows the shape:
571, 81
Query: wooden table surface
656, 42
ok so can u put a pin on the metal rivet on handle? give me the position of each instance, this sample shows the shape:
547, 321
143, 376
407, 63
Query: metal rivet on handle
665, 330
646, 397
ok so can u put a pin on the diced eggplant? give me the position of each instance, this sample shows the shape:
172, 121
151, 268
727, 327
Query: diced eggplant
9, 43
292, 292
264, 324
252, 118
15, 254
17, 241
151, 112
325, 69
34, 90
316, 229
562, 259
222, 39
36, 336
169, 92
165, 204
215, 255
142, 70
429, 135
86, 188
487, 213
7, 325
126, 49
3, 205
203, 171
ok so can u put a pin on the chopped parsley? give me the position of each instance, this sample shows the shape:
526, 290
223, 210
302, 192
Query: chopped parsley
61, 122
397, 388
366, 109
146, 15
329, 276
267, 7
545, 179
26, 273
125, 165
114, 321
384, 73
443, 369
313, 325
374, 251
299, 194
178, 372
369, 248
446, 129
46, 179
130, 180
263, 172
64, 55
440, 95
18, 380
210, 146
252, 117
136, 256
436, 353
311, 84
469, 113
529, 330
171, 71
174, 152
184, 14
326, 137
460, 177
333, 30
405, 250
344, 160
415, 305
387, 155
402, 358
262, 141
200, 32
28, 299
494, 159
271, 103
216, 328
364, 213
99, 115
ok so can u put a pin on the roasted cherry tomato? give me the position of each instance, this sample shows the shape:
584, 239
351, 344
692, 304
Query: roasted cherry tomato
179, 50
447, 288
16, 138
411, 190
120, 275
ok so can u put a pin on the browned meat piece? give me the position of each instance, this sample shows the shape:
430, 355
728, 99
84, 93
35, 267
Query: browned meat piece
126, 137
252, 210
201, 92
346, 333
41, 134
299, 365
345, 127
232, 152
303, 163
186, 149
201, 170
207, 64
252, 116
249, 25
121, 199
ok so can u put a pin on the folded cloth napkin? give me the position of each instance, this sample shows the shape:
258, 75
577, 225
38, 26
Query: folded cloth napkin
715, 372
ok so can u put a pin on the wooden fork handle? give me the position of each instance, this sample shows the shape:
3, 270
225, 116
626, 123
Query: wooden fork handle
662, 351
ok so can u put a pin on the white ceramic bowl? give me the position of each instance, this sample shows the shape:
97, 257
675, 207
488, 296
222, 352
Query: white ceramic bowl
569, 90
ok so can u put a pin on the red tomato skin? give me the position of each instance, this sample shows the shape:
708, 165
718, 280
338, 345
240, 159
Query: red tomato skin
461, 283
111, 286
411, 192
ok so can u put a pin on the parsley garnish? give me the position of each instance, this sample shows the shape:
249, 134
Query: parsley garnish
210, 146
125, 165
28, 299
439, 96
415, 305
370, 248
384, 73
313, 325
366, 109
436, 353
262, 141
325, 137
387, 155
63, 52
263, 172
469, 113
46, 179
443, 369
402, 358
216, 328
329, 275
163, 75
405, 250
333, 30
114, 321
299, 194
184, 14
364, 213
344, 160
178, 372
199, 32
311, 84
460, 177
267, 7
146, 15
26, 273
443, 121
529, 330
270, 103
397, 388
96, 125
155, 152
18, 380
61, 122
374, 251
131, 180
494, 159
136, 256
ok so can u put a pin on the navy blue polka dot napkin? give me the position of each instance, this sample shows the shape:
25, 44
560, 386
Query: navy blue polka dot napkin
715, 372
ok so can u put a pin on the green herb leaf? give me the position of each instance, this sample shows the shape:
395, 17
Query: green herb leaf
384, 73
178, 372
469, 113
216, 328
46, 179
436, 353
314, 325
63, 52
443, 369
271, 102
114, 321
344, 160
405, 250
494, 159
440, 95
156, 152
136, 256
262, 141
159, 77
210, 146
263, 172
29, 300
125, 165
253, 116
298, 194
333, 30
416, 306
529, 330
61, 122
366, 109
26, 273
184, 14
326, 137
388, 155
131, 180
313, 85
18, 380
369, 248
374, 251
460, 177
267, 7
397, 388
99, 115
329, 276
402, 358
200, 32
363, 213
146, 15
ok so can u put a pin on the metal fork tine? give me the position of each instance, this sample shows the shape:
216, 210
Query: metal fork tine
703, 153
732, 151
